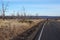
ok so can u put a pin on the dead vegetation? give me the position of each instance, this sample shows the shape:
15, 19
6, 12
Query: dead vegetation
13, 27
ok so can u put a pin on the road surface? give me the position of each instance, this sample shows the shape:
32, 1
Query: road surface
50, 31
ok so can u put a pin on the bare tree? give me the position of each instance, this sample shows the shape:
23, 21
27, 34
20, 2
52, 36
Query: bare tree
24, 11
37, 15
18, 14
4, 8
0, 12
24, 17
13, 14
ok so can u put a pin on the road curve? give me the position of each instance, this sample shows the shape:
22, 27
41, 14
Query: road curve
50, 31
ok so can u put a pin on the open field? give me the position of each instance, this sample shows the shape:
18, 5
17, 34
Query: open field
12, 27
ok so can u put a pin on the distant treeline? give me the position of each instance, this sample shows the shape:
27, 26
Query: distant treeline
30, 17
18, 17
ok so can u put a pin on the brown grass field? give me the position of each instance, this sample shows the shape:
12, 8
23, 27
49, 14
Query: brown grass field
12, 27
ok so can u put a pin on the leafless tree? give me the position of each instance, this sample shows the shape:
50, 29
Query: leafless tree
24, 13
4, 8
18, 15
0, 12
37, 15
13, 14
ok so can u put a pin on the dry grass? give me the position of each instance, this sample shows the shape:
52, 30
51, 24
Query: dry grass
13, 27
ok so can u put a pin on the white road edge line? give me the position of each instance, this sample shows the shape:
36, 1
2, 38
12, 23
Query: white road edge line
42, 31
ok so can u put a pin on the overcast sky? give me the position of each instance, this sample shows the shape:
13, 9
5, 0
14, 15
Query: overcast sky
42, 7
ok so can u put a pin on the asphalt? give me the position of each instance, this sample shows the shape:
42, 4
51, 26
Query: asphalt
51, 31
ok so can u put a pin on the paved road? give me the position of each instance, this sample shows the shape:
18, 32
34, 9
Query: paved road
51, 31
